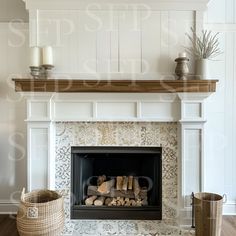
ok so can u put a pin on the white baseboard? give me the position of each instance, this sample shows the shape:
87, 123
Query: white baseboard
185, 214
185, 217
229, 208
8, 207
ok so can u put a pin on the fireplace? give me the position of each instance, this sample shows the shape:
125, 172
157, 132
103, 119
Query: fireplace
140, 166
113, 120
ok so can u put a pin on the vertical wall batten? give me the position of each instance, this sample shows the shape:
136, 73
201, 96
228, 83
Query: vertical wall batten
151, 43
130, 42
118, 41
141, 41
164, 67
33, 27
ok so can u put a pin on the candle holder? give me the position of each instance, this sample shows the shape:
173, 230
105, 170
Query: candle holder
182, 68
47, 70
35, 71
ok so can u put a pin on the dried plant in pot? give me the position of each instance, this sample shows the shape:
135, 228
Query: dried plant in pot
203, 48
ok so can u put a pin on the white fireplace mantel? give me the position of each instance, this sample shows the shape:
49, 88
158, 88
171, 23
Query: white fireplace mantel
45, 109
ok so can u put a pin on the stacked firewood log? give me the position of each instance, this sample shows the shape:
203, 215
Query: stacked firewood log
117, 191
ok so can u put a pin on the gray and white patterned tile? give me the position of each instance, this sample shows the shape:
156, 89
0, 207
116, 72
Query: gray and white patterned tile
130, 228
114, 134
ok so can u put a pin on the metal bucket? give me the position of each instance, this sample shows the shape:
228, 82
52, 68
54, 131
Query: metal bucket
208, 214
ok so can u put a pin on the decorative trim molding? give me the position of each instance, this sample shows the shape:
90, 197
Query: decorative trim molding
117, 5
221, 27
8, 207
148, 107
64, 107
229, 208
186, 213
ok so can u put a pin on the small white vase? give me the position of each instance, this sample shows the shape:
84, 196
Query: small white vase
202, 68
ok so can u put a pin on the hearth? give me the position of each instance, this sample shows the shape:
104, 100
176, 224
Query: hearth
116, 182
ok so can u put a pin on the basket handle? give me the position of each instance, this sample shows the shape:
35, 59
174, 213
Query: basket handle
23, 194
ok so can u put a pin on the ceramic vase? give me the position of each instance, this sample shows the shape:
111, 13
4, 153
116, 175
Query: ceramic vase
202, 68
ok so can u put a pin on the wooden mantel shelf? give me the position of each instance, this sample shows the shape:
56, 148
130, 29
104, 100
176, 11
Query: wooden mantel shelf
114, 86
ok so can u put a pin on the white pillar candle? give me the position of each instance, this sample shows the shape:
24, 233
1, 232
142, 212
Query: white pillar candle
47, 55
35, 56
182, 54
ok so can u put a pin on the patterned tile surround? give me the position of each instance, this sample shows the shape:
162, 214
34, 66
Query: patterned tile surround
121, 134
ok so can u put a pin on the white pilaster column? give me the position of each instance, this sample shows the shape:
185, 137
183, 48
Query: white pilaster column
191, 150
40, 143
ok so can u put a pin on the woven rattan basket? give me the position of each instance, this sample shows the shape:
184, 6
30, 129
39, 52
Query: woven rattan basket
40, 213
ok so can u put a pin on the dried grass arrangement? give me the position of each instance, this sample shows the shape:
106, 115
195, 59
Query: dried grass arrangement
205, 46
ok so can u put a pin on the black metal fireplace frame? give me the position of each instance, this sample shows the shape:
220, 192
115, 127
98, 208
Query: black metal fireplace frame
151, 212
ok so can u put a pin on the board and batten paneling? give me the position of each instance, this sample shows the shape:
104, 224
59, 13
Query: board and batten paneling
154, 42
38, 149
220, 161
107, 42
123, 42
192, 163
130, 42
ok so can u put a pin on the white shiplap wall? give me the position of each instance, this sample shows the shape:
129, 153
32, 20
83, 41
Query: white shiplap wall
220, 162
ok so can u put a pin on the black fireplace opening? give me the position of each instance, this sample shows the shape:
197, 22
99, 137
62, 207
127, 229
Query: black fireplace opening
116, 182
